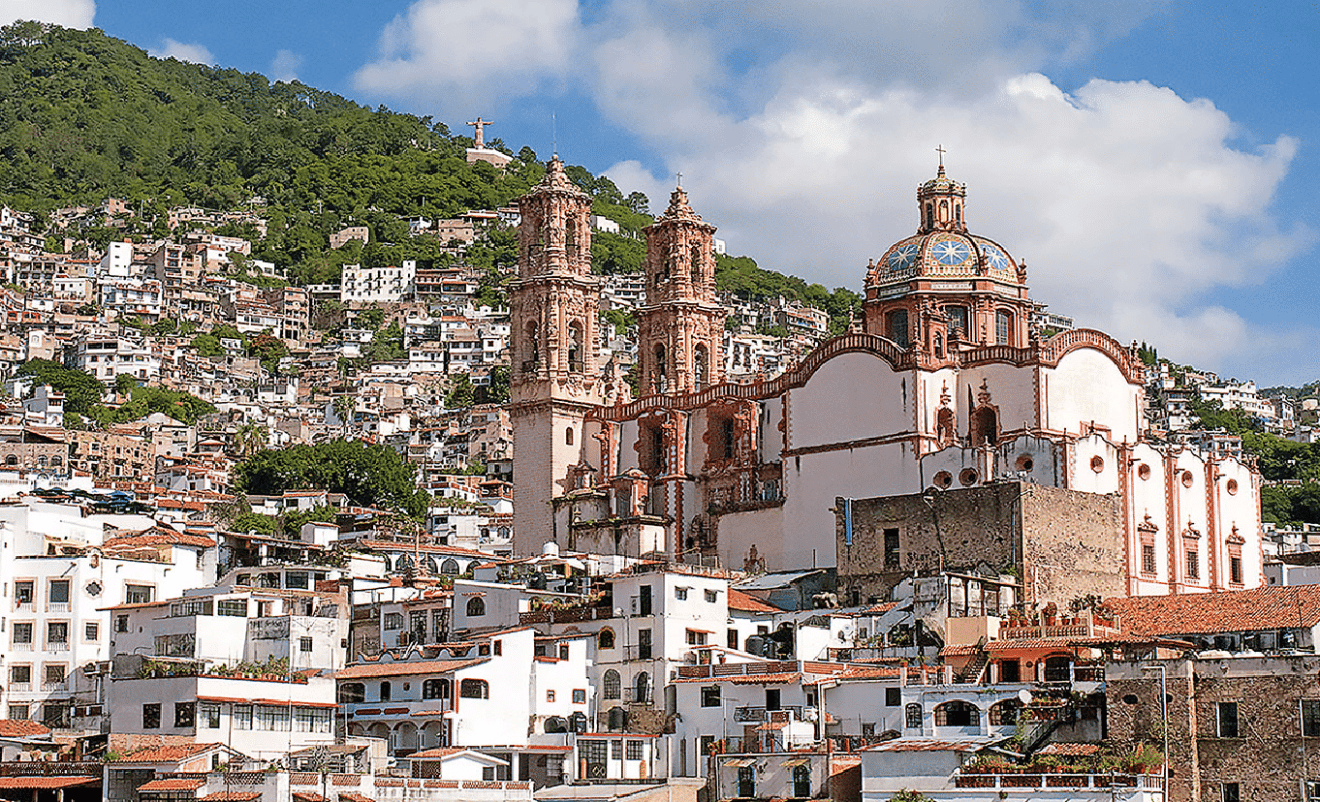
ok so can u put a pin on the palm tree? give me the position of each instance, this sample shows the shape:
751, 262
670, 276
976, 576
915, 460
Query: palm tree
251, 438
344, 406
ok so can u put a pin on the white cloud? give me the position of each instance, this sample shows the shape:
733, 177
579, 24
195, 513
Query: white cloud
803, 133
69, 13
471, 56
285, 66
184, 51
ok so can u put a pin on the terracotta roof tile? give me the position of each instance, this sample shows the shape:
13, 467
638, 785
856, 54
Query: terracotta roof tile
174, 784
21, 728
54, 783
401, 668
232, 796
1226, 611
749, 604
166, 754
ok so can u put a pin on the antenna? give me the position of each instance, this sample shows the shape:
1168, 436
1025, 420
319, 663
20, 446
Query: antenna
554, 134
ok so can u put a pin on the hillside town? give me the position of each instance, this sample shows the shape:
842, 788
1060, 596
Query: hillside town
672, 542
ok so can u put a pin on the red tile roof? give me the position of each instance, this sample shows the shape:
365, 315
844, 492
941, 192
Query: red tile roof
174, 784
26, 783
749, 604
166, 754
159, 537
748, 679
1070, 749
232, 796
1226, 611
21, 728
309, 796
925, 745
432, 754
402, 668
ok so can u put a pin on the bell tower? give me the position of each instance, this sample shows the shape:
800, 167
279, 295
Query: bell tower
554, 308
680, 330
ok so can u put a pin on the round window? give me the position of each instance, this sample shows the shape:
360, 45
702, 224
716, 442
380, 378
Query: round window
1025, 463
968, 476
1143, 471
1187, 479
943, 480
1232, 487
1097, 464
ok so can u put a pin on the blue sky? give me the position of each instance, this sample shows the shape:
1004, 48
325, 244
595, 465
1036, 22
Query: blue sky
1152, 162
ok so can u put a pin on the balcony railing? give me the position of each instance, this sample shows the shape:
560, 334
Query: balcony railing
57, 607
20, 687
54, 686
1022, 783
25, 646
57, 646
761, 714
24, 606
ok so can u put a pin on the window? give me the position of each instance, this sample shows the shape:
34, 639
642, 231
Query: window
59, 591
242, 717
549, 696
611, 687
386, 691
354, 692
635, 750
22, 633
474, 689
957, 318
1230, 793
893, 697
696, 637
616, 750
304, 644
579, 696
310, 719
393, 621
20, 675
1228, 719
772, 697
710, 696
644, 600
121, 623
208, 716
1193, 565
435, 689
151, 716
476, 607
1003, 328
957, 713
1311, 718
1235, 570
185, 714
233, 607
912, 716
896, 327
680, 594
296, 579
273, 718
643, 644
19, 712
23, 592
1147, 558
55, 673
57, 632
138, 594
712, 596
605, 639
563, 651
891, 549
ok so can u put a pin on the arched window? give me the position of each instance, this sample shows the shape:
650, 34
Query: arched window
957, 212
435, 689
41, 461
610, 685
555, 724
385, 690
533, 348
912, 716
944, 211
957, 713
696, 263
571, 236
699, 366
896, 327
930, 215
939, 345
957, 318
659, 381
618, 719
352, 692
449, 566
568, 436
985, 426
802, 781
1005, 714
605, 639
476, 607
575, 346
642, 687
56, 461
474, 689
11, 460
1004, 327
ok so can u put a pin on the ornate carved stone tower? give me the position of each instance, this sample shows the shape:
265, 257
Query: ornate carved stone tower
680, 330
554, 307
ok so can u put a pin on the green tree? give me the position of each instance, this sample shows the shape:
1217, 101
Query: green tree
370, 475
460, 394
496, 388
251, 438
81, 390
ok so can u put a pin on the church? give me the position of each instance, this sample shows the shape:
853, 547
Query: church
946, 386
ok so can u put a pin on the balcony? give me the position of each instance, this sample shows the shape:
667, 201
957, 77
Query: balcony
57, 607
1010, 785
57, 646
24, 606
761, 714
20, 687
25, 646
54, 686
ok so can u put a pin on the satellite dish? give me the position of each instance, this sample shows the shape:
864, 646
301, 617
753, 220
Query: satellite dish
1024, 696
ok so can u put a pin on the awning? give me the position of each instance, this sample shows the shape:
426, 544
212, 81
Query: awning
32, 783
740, 762
795, 762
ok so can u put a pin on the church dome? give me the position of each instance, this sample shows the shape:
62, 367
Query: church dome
944, 254
942, 246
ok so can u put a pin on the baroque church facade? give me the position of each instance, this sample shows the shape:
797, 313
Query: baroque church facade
945, 386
